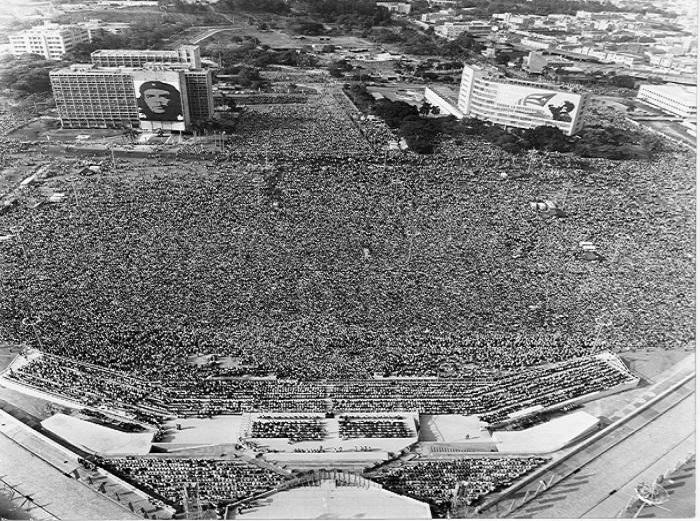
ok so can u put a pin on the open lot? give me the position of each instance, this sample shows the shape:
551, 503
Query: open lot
278, 39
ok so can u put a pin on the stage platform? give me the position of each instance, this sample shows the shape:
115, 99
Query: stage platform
332, 442
328, 501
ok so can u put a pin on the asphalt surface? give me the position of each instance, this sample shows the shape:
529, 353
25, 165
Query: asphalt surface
599, 481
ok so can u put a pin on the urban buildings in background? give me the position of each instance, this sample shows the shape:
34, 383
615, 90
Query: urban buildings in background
488, 95
396, 7
52, 41
643, 44
133, 89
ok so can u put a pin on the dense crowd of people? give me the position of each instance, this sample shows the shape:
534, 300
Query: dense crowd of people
373, 427
493, 396
308, 252
268, 99
208, 480
307, 428
440, 482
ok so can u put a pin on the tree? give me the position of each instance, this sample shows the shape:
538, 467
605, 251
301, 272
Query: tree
394, 112
546, 137
337, 68
308, 28
249, 77
503, 58
625, 81
230, 103
424, 109
420, 134
335, 71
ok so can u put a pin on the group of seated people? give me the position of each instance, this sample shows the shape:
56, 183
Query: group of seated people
209, 480
492, 398
307, 428
374, 427
441, 482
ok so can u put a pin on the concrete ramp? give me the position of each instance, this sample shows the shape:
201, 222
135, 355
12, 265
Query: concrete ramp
548, 436
98, 438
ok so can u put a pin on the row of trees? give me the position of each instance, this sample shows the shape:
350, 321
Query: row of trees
593, 141
252, 54
27, 75
315, 13
357, 13
269, 6
411, 123
545, 7
422, 134
144, 34
416, 42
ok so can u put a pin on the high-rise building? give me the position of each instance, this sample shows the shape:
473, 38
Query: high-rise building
511, 102
157, 96
135, 88
95, 98
51, 41
200, 96
185, 55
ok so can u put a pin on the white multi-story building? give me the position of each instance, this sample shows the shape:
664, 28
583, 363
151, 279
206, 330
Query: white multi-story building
626, 59
680, 100
396, 7
514, 103
537, 43
51, 41
452, 30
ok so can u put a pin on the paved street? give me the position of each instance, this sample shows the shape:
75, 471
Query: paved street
602, 477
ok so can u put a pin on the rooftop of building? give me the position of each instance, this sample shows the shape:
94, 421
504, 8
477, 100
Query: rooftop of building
48, 26
141, 52
495, 75
88, 68
683, 93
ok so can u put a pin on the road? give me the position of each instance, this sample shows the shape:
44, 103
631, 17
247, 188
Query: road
599, 481
208, 34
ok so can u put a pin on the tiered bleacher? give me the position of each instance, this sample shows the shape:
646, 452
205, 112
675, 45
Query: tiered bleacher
438, 482
216, 481
491, 395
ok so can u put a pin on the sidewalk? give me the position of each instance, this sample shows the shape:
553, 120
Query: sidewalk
53, 477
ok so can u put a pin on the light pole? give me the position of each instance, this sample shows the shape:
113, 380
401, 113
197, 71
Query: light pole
72, 181
17, 230
413, 234
600, 325
33, 323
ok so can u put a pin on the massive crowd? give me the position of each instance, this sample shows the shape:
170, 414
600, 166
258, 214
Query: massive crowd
492, 396
440, 482
309, 253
